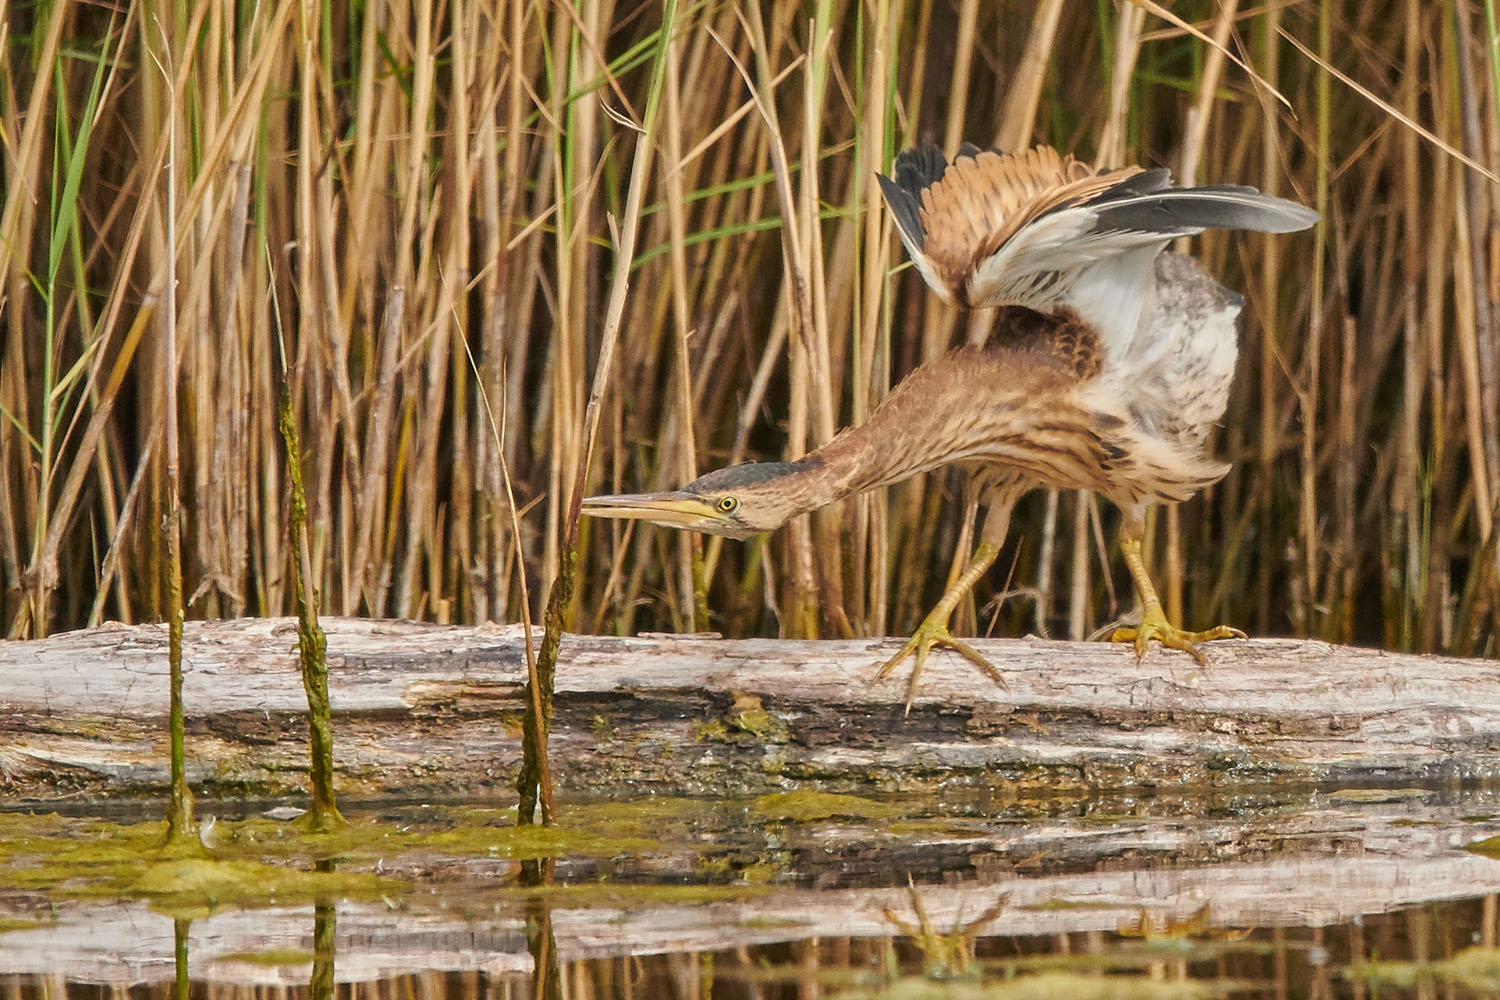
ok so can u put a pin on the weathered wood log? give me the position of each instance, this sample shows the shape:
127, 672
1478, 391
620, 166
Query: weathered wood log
435, 710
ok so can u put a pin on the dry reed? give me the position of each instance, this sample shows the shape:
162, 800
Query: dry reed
401, 189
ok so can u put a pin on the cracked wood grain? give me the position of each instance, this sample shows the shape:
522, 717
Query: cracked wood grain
426, 709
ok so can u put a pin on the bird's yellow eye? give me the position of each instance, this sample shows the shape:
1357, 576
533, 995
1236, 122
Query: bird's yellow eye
727, 504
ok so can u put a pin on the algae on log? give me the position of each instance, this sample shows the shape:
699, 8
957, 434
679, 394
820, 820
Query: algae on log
427, 710
312, 642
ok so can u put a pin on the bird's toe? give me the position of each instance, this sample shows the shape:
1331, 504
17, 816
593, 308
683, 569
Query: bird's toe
1157, 628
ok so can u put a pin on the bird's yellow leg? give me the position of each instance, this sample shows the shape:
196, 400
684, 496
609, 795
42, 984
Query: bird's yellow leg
1154, 624
934, 628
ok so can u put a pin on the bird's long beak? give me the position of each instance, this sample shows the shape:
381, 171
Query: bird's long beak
674, 510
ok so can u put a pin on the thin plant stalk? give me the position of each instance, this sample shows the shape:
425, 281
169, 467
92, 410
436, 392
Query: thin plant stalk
180, 824
312, 641
530, 782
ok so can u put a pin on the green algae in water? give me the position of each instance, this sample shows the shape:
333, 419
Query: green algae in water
809, 805
195, 882
465, 832
598, 828
261, 860
53, 854
96, 847
533, 842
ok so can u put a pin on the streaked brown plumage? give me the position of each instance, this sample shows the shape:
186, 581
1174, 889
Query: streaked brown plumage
981, 201
1109, 366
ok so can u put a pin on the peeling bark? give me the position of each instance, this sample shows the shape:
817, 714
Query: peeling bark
436, 710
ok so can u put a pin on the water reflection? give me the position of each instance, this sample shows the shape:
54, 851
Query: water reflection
181, 980
1367, 958
546, 972
1334, 898
320, 985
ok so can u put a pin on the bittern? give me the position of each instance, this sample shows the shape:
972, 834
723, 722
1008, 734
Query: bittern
1109, 364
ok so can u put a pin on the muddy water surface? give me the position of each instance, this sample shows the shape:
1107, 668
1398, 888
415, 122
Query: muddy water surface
1357, 892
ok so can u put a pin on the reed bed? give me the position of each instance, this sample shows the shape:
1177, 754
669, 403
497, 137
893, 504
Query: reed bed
419, 209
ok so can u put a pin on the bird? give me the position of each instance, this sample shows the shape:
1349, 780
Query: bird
1109, 364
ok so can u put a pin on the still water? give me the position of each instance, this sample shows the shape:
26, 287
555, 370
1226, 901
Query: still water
1312, 892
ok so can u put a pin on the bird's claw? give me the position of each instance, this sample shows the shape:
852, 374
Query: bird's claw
933, 632
1157, 627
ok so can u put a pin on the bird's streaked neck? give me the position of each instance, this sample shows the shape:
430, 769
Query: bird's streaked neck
972, 404
888, 448
864, 457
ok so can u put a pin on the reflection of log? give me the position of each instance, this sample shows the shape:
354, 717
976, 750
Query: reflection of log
1298, 869
425, 709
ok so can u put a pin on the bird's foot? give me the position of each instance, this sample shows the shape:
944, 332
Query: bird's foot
934, 632
1156, 626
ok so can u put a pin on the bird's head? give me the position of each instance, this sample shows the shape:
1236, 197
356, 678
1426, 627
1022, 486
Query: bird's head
737, 502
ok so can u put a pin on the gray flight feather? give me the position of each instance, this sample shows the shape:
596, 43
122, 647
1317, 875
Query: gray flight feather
915, 171
1185, 211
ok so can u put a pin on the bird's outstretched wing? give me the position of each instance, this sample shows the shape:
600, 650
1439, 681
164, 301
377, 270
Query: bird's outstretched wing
1043, 230
953, 217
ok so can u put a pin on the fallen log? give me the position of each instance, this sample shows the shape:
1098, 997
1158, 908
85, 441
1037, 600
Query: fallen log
430, 710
